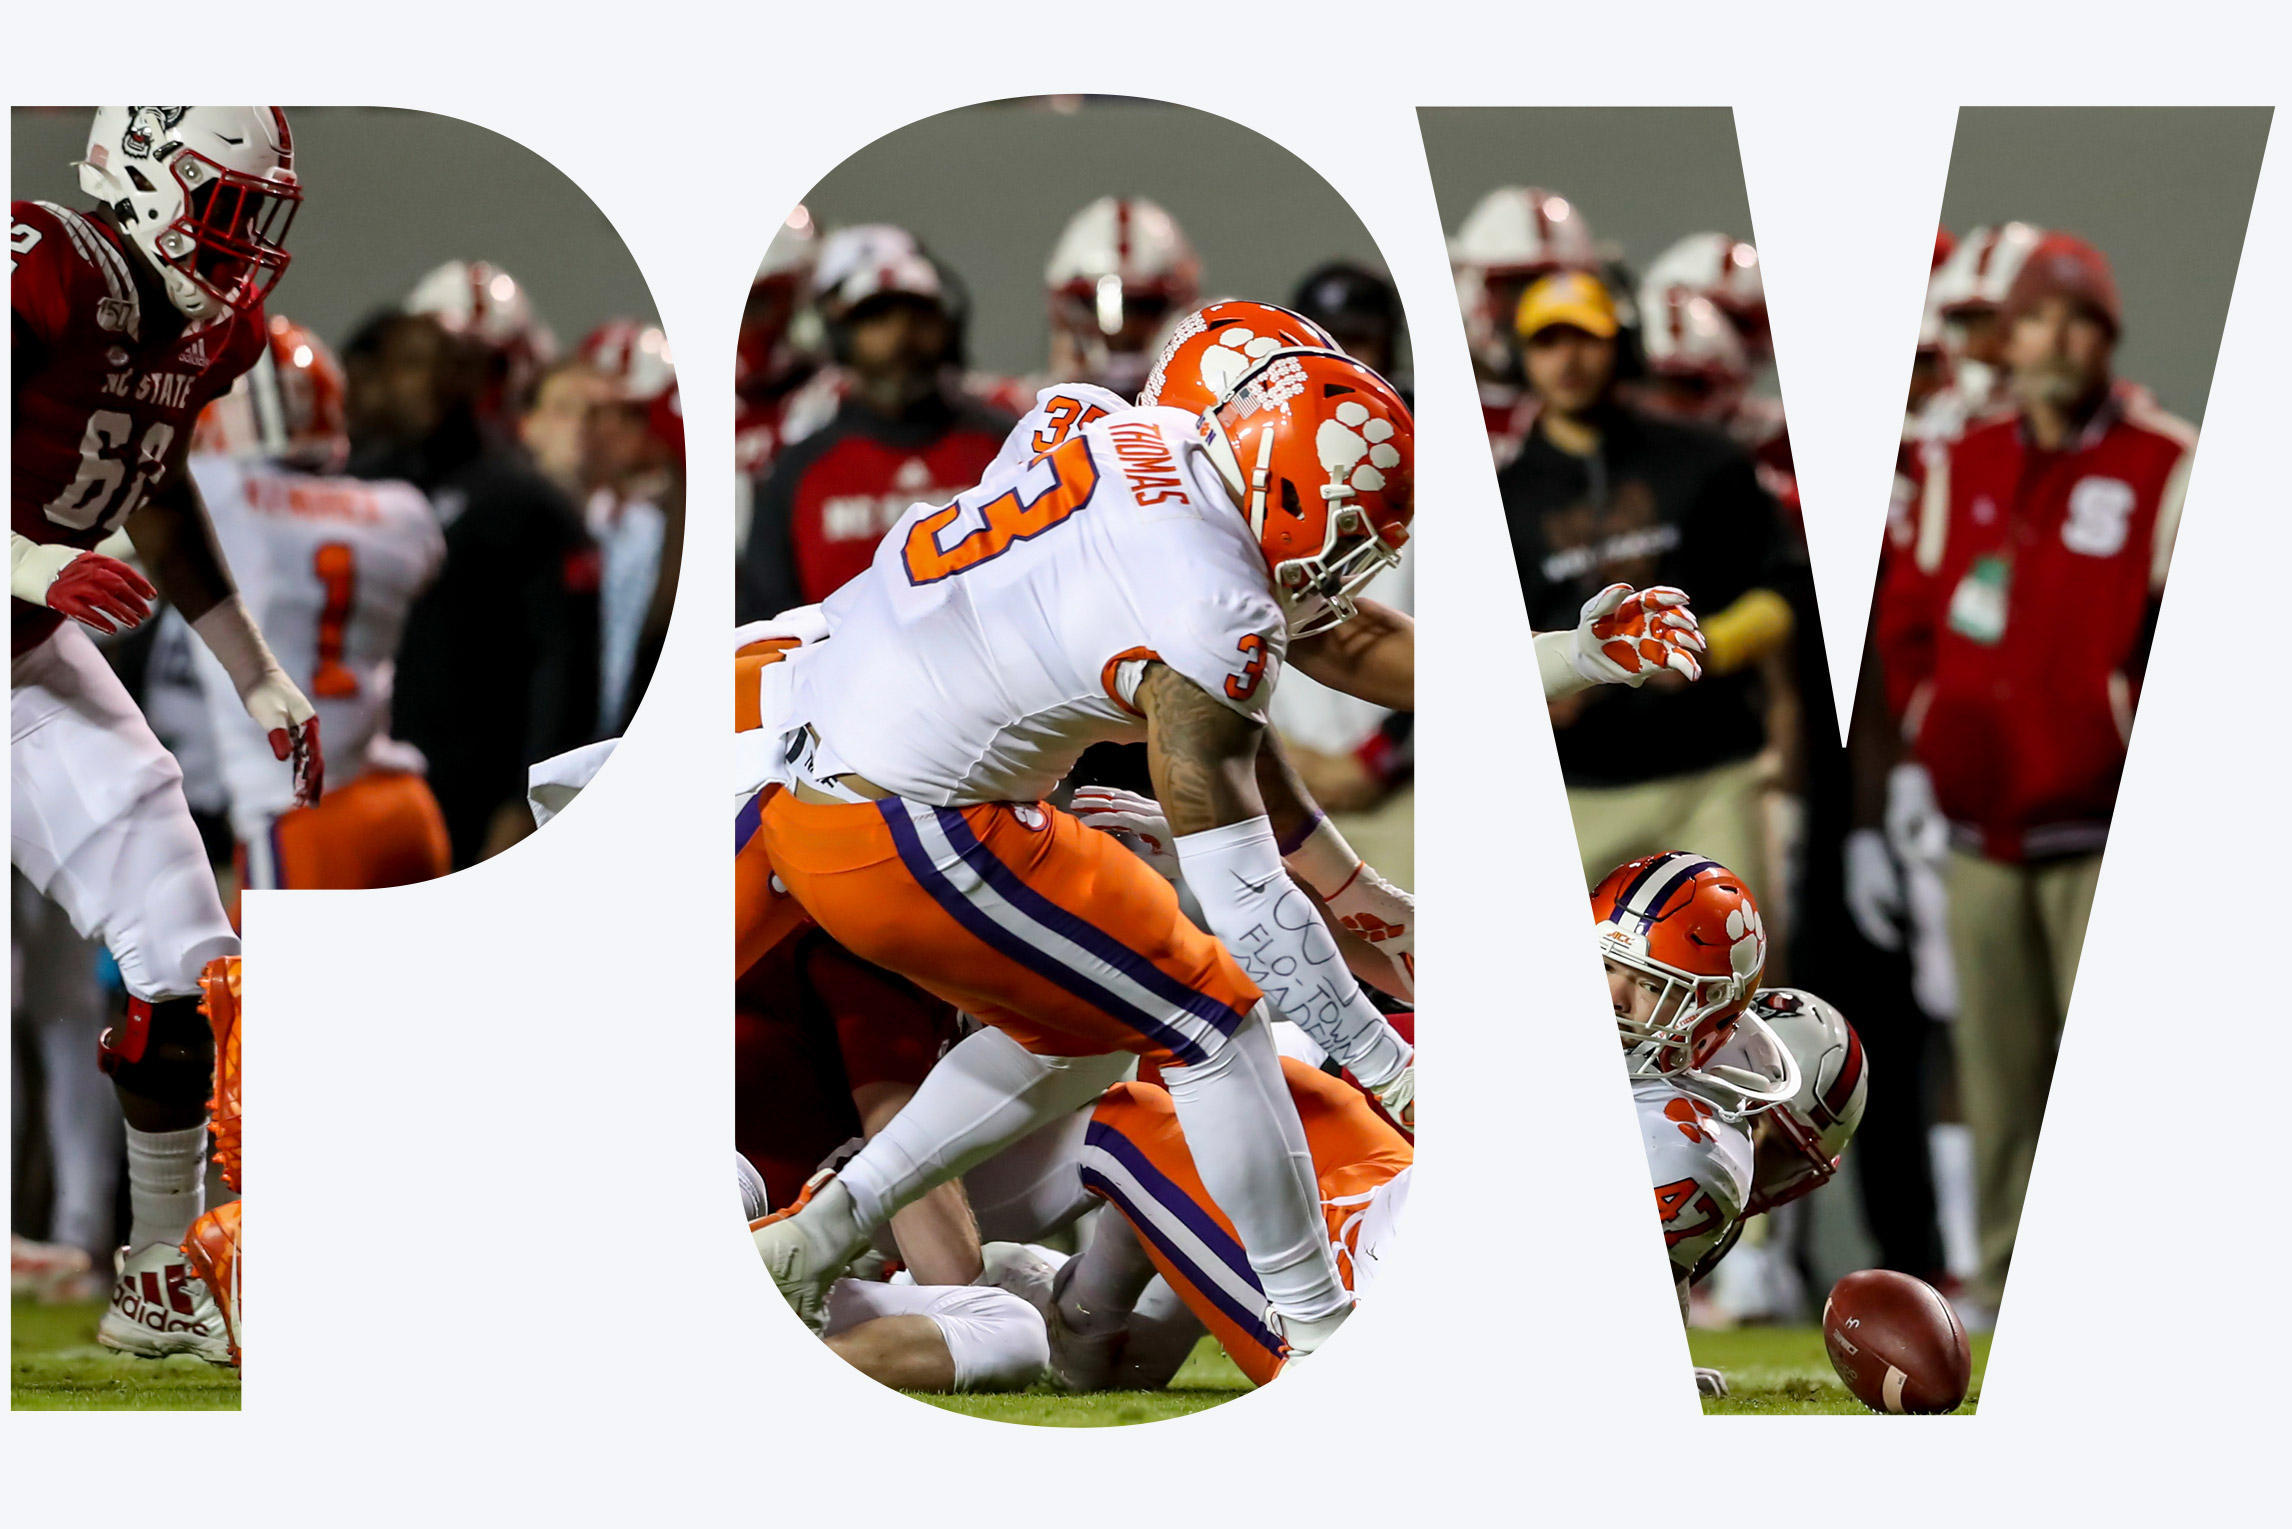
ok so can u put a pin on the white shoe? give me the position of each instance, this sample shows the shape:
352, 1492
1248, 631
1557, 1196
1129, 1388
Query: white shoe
796, 1257
1303, 1335
49, 1272
160, 1306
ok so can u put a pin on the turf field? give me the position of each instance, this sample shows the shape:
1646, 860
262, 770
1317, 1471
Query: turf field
56, 1364
1207, 1379
1784, 1369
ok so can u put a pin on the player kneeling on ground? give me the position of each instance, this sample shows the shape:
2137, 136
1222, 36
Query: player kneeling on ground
1745, 1096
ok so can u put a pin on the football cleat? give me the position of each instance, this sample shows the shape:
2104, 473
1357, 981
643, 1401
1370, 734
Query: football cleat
219, 1001
213, 1248
49, 1272
159, 1306
801, 1262
1301, 1336
1079, 1361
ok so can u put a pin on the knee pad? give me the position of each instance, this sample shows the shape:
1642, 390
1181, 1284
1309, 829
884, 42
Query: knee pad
997, 1341
165, 1052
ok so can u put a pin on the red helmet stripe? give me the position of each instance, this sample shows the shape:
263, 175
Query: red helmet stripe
1826, 1110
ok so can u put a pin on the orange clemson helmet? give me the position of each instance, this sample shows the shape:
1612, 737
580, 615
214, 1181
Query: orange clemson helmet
1321, 452
1690, 926
1208, 350
291, 405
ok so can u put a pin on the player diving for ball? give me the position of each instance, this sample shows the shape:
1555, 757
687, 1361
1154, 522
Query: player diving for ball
1746, 1096
127, 319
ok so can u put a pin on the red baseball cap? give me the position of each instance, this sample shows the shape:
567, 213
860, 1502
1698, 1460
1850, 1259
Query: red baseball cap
2063, 265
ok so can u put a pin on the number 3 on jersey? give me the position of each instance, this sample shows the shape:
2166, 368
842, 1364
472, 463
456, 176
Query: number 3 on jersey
1011, 517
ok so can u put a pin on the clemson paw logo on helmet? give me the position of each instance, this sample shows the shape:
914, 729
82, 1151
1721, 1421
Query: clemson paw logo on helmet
1747, 941
1233, 352
1356, 448
146, 125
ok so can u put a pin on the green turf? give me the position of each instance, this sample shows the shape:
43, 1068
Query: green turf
55, 1364
1207, 1378
1772, 1370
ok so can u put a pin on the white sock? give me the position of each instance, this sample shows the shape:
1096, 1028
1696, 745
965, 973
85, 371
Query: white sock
1109, 1276
166, 1183
986, 1093
1242, 1128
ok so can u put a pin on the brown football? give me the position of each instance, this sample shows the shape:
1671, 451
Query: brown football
1896, 1343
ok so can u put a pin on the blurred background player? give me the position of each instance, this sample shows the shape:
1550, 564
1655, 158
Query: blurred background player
2015, 634
1604, 491
633, 465
128, 319
1121, 270
1514, 236
902, 432
329, 565
779, 352
499, 662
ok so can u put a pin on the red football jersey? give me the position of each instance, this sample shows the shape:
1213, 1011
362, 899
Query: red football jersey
106, 383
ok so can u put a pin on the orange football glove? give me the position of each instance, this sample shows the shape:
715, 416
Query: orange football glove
1626, 635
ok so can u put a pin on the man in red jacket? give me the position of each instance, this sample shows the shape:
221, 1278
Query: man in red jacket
2014, 629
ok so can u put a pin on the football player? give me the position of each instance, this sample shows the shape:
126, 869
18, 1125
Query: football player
1121, 268
128, 319
329, 566
1138, 580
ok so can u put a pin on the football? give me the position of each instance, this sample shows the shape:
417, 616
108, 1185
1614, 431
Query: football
1896, 1343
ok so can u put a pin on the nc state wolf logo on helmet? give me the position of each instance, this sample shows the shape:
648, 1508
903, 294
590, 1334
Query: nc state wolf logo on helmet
146, 125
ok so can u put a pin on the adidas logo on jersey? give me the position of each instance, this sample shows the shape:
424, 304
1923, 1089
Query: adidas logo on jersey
195, 353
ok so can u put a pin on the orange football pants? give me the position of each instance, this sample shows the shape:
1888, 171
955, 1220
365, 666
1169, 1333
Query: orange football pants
1135, 1158
1018, 914
381, 830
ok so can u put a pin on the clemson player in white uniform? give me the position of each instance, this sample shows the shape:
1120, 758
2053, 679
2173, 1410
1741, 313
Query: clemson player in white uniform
1142, 580
330, 566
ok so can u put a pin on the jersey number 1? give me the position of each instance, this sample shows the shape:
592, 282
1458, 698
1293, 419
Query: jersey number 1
337, 570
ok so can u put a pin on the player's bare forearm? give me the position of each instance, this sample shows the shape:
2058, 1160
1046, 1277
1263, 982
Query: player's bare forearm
1288, 804
1201, 754
1373, 656
177, 545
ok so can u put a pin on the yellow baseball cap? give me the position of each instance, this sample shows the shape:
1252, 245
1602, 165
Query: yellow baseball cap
1576, 298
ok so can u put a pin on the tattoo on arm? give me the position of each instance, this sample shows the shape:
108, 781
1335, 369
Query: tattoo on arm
1201, 753
1288, 803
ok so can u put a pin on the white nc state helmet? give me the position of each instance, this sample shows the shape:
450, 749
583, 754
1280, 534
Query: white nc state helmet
1121, 268
1513, 235
1980, 271
1718, 267
1524, 231
1687, 338
206, 192
1834, 1084
481, 300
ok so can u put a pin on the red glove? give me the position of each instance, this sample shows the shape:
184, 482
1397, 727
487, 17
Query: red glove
101, 592
299, 740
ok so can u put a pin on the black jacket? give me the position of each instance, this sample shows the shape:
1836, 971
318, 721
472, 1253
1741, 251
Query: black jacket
1661, 502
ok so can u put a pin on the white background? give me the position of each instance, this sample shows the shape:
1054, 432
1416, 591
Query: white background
499, 1274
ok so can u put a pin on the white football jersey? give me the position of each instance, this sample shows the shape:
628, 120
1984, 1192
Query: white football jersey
328, 568
1061, 410
995, 638
1700, 1166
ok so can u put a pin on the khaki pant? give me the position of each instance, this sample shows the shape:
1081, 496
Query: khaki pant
2015, 933
1714, 813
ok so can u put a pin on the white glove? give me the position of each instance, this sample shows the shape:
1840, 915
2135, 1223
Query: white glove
1622, 637
1874, 888
280, 709
1709, 1382
1368, 905
1915, 826
1398, 1094
1135, 820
